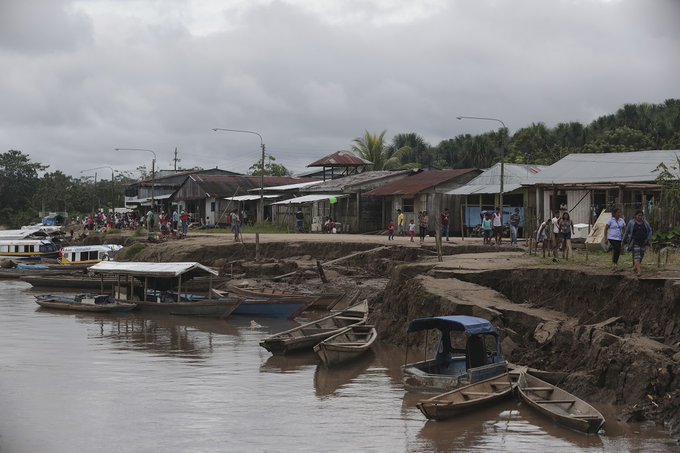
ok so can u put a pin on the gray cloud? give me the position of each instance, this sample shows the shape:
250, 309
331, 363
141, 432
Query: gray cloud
123, 74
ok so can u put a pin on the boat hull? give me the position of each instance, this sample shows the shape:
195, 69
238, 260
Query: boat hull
347, 345
468, 398
279, 309
67, 303
417, 376
559, 405
206, 307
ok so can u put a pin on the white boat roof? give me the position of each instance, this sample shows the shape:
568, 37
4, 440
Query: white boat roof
87, 248
167, 270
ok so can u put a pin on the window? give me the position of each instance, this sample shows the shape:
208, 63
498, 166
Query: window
212, 206
407, 204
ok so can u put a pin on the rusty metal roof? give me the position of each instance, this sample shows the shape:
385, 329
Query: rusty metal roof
341, 159
419, 182
227, 186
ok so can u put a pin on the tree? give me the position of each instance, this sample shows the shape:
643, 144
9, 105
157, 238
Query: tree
372, 148
411, 148
270, 168
18, 184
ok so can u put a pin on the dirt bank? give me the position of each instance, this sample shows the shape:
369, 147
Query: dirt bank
609, 337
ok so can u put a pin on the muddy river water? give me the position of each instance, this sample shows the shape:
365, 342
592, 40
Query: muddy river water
92, 383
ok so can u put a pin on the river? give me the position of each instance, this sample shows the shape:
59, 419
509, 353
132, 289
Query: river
92, 383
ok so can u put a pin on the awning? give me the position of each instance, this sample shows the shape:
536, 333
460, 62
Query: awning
471, 325
250, 197
310, 199
299, 185
145, 269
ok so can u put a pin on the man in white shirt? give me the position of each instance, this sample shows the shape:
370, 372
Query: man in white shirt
498, 226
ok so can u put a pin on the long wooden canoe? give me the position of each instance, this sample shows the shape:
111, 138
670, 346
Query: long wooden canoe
346, 345
559, 405
465, 399
318, 300
84, 302
307, 335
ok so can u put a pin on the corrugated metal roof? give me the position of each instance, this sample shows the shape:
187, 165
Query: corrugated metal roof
637, 166
309, 198
286, 187
340, 159
152, 269
250, 197
419, 182
227, 186
346, 182
514, 175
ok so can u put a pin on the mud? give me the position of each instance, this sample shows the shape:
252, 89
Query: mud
608, 338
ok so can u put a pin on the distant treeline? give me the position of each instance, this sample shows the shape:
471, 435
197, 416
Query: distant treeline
27, 188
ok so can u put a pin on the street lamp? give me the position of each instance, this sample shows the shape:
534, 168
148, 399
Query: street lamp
153, 171
94, 195
113, 189
502, 152
260, 208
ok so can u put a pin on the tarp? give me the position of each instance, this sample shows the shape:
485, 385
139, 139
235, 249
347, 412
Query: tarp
471, 325
152, 269
309, 198
250, 197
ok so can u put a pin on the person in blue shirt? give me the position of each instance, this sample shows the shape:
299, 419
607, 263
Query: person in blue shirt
614, 231
637, 237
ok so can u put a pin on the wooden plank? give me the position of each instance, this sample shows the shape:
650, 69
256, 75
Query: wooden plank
352, 255
475, 393
555, 401
539, 389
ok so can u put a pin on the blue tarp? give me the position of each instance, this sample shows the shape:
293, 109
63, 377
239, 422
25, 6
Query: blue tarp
471, 325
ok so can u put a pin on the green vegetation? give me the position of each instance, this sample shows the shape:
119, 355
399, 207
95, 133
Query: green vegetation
133, 250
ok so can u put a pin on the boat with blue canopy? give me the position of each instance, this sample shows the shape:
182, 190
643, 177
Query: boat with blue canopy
468, 351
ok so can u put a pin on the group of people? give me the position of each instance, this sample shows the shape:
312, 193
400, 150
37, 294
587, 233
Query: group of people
555, 234
176, 222
635, 236
423, 226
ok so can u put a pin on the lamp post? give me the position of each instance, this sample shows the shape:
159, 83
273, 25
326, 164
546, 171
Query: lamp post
153, 172
113, 189
94, 195
502, 152
260, 208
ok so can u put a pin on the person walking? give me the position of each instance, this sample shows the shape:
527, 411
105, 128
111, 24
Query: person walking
566, 230
390, 231
411, 230
514, 225
184, 218
424, 223
400, 222
299, 220
445, 223
614, 231
637, 237
235, 224
497, 225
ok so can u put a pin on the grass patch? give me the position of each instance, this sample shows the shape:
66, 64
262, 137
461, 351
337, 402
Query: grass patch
133, 250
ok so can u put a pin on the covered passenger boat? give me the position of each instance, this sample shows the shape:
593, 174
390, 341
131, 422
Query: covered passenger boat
160, 287
468, 351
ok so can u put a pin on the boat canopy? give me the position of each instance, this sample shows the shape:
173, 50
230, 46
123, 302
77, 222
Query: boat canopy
471, 325
159, 270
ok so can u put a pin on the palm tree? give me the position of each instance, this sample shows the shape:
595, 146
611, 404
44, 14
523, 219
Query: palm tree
372, 147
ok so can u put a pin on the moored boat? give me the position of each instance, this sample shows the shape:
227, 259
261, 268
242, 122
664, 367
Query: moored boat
84, 302
305, 336
318, 300
480, 359
278, 308
467, 398
559, 405
158, 287
87, 254
27, 249
346, 345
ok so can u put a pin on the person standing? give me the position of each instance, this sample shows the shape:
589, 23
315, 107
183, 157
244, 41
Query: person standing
175, 220
555, 240
566, 230
412, 230
184, 218
424, 223
637, 236
445, 224
390, 231
150, 220
235, 224
487, 228
299, 220
498, 225
614, 231
514, 225
400, 222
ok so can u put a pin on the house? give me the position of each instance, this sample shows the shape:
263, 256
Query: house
342, 200
585, 184
162, 186
423, 191
340, 163
483, 194
208, 198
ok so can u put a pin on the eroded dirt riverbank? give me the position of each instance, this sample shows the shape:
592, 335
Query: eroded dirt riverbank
608, 337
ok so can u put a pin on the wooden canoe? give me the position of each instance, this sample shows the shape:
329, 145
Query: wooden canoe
304, 337
465, 399
319, 301
346, 345
559, 405
84, 302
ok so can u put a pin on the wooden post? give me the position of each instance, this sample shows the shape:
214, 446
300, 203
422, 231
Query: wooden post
322, 274
462, 222
257, 246
438, 240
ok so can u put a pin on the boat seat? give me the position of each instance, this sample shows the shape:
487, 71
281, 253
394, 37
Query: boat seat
555, 401
539, 389
585, 416
475, 393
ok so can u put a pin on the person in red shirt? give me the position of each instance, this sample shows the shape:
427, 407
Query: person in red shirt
390, 231
445, 224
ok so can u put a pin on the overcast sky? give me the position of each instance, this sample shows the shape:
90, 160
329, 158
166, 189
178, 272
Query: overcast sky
80, 78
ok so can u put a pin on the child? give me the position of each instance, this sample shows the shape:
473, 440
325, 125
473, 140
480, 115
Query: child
411, 230
390, 231
487, 225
